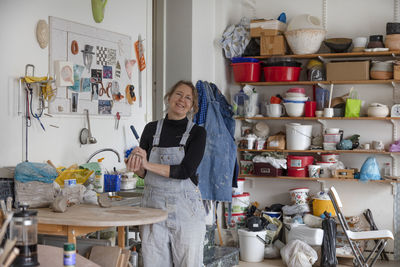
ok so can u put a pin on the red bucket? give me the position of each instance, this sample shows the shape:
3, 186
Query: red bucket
246, 72
281, 74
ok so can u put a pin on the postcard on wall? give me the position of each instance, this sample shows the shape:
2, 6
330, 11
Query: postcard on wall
105, 106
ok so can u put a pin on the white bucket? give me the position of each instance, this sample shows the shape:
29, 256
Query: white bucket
240, 203
298, 137
239, 189
251, 247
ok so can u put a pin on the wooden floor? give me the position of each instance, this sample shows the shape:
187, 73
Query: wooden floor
278, 263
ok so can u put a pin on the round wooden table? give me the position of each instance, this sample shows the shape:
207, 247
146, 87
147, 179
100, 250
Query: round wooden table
84, 218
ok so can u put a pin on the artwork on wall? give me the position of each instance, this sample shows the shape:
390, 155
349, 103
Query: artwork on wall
94, 58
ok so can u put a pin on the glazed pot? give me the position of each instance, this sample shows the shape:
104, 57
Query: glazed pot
305, 41
378, 110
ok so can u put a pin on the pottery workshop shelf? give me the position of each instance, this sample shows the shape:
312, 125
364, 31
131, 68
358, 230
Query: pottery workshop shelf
320, 82
355, 151
338, 55
313, 179
320, 118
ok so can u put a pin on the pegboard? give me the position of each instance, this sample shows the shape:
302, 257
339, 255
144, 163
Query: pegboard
100, 86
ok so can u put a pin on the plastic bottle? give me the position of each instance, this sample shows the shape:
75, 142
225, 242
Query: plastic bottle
387, 169
69, 255
99, 178
238, 105
134, 257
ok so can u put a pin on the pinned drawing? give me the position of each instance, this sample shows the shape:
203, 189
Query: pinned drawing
129, 67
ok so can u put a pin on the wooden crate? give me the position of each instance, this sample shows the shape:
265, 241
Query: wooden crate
344, 173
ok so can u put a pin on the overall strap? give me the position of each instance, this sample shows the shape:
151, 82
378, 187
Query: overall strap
156, 137
185, 135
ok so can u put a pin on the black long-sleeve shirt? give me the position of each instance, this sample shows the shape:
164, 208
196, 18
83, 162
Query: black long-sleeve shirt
171, 135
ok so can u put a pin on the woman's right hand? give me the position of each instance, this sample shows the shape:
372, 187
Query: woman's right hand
134, 163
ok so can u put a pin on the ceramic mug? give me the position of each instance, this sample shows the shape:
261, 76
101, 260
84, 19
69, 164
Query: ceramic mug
328, 112
313, 171
274, 110
366, 146
377, 145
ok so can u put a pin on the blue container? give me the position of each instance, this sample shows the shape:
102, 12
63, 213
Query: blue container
112, 182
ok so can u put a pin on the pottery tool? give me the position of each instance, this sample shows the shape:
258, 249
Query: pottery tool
11, 257
8, 217
118, 117
330, 95
141, 64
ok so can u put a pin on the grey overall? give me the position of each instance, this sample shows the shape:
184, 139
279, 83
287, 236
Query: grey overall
178, 241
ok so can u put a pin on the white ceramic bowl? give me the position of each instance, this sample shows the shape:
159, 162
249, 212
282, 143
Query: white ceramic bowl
306, 41
360, 42
294, 109
304, 21
296, 98
290, 94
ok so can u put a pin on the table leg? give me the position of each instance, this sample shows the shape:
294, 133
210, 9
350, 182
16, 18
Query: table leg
121, 236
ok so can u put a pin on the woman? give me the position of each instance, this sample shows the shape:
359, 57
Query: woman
170, 151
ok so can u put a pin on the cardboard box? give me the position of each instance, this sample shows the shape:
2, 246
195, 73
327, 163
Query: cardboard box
269, 27
272, 45
347, 71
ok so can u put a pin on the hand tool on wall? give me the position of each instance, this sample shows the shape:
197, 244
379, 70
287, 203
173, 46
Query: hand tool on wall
118, 117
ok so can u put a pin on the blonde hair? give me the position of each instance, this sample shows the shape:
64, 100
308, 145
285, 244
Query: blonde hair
195, 100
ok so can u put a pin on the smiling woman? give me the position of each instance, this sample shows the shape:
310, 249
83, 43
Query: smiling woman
170, 151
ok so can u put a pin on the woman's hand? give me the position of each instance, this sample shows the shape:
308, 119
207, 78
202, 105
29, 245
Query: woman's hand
142, 155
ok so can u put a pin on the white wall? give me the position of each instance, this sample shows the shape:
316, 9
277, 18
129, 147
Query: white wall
345, 19
18, 47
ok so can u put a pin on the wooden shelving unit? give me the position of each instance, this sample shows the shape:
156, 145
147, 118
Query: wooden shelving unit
312, 179
320, 118
356, 151
320, 82
338, 55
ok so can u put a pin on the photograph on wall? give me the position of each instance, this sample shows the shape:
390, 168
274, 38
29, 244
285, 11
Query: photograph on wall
74, 105
85, 85
105, 106
107, 72
95, 91
97, 75
78, 69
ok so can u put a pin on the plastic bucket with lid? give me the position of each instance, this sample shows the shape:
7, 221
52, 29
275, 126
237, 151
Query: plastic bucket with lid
251, 247
236, 220
299, 196
298, 136
239, 189
240, 203
321, 205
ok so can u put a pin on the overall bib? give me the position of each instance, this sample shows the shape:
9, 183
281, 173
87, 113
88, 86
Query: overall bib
177, 241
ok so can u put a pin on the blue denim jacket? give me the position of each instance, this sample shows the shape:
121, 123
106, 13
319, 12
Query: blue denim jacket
216, 170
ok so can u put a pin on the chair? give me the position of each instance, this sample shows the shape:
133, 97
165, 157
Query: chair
380, 236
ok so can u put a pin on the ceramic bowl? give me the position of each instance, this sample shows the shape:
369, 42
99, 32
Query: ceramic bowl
338, 45
294, 109
304, 21
306, 41
295, 98
300, 90
378, 111
290, 94
360, 42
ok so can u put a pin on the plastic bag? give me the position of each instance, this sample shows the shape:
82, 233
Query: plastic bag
353, 105
370, 170
35, 194
80, 175
271, 252
295, 209
328, 248
297, 253
30, 171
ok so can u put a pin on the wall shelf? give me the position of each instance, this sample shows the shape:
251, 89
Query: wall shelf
321, 82
356, 151
312, 179
320, 118
338, 55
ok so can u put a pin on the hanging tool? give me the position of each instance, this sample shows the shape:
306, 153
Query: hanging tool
118, 117
139, 50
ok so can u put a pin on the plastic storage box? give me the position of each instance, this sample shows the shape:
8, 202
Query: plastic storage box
266, 169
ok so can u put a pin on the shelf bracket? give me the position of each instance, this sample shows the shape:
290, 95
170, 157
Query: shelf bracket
396, 92
395, 132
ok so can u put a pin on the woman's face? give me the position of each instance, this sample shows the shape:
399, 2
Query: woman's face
180, 102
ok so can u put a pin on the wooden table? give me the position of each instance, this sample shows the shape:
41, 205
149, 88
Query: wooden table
84, 218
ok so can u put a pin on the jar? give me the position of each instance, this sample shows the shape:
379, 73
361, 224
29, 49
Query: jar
69, 255
375, 41
381, 70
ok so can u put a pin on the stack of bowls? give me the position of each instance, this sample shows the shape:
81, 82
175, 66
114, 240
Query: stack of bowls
294, 101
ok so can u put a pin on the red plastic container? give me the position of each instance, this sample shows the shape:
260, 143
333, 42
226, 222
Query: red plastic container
298, 165
281, 74
246, 72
